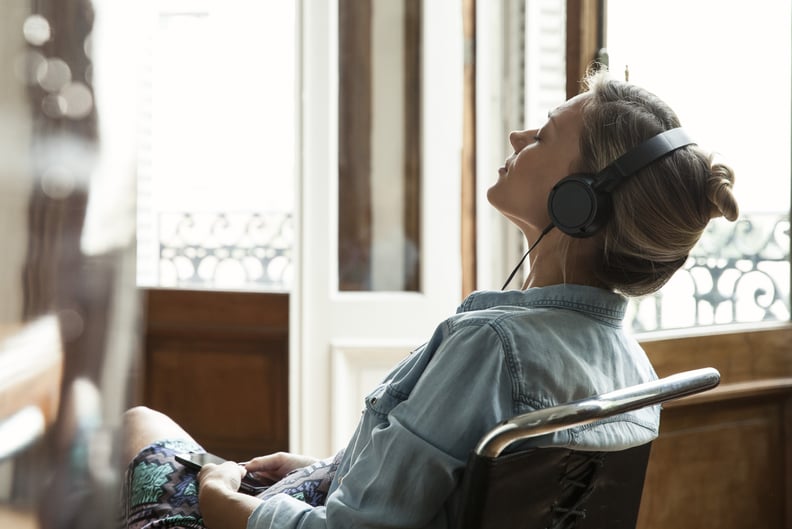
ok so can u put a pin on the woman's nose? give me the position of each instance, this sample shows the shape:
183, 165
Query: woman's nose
519, 139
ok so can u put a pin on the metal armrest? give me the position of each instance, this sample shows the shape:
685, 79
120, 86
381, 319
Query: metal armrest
586, 411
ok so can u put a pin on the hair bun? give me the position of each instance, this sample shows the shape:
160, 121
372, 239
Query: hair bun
719, 192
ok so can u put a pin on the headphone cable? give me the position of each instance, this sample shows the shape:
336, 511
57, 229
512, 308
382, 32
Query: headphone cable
541, 236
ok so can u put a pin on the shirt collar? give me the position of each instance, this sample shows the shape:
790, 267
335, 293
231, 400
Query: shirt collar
600, 303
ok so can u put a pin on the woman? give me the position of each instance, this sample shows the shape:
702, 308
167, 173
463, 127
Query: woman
558, 339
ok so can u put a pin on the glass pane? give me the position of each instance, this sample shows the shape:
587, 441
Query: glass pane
216, 163
379, 139
733, 94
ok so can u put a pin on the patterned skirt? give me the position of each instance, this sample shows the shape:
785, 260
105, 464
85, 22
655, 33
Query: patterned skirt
161, 492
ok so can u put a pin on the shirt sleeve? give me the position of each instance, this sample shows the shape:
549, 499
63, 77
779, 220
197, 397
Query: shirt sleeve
411, 462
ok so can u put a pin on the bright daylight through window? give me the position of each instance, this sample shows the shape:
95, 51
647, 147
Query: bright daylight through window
733, 95
217, 145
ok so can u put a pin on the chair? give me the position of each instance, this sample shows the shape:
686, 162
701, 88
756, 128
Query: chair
31, 363
31, 369
559, 488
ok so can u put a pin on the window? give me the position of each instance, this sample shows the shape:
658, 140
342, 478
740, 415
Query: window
733, 94
740, 272
217, 145
379, 158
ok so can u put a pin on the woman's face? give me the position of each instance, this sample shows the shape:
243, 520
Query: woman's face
541, 158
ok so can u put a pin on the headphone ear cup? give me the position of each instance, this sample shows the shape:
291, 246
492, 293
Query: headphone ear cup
576, 208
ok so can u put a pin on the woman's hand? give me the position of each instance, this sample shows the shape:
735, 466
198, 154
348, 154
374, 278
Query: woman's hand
275, 466
228, 475
222, 507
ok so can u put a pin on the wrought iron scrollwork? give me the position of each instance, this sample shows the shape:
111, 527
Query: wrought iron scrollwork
245, 251
738, 273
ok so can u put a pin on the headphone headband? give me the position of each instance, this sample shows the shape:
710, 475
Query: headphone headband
639, 157
580, 204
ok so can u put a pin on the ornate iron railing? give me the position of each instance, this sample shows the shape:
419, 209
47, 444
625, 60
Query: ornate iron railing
239, 251
738, 273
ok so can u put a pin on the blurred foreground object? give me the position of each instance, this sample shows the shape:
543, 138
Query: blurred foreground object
69, 309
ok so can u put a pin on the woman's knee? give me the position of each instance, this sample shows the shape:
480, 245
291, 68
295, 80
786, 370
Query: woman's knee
142, 426
144, 421
139, 415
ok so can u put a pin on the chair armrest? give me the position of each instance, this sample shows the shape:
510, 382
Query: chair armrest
20, 430
586, 411
31, 369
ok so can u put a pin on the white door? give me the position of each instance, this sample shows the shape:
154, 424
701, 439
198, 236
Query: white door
343, 343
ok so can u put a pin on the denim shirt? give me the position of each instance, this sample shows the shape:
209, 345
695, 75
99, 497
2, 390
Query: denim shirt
502, 354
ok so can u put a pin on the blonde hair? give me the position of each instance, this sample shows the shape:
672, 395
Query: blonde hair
660, 212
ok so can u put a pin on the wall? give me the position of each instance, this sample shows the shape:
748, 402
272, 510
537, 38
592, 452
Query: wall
15, 172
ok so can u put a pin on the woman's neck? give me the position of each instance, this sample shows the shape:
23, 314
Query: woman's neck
560, 259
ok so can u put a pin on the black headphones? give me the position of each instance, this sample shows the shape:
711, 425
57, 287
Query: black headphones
580, 204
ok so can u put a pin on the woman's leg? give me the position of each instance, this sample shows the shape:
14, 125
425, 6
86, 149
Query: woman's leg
143, 426
158, 491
